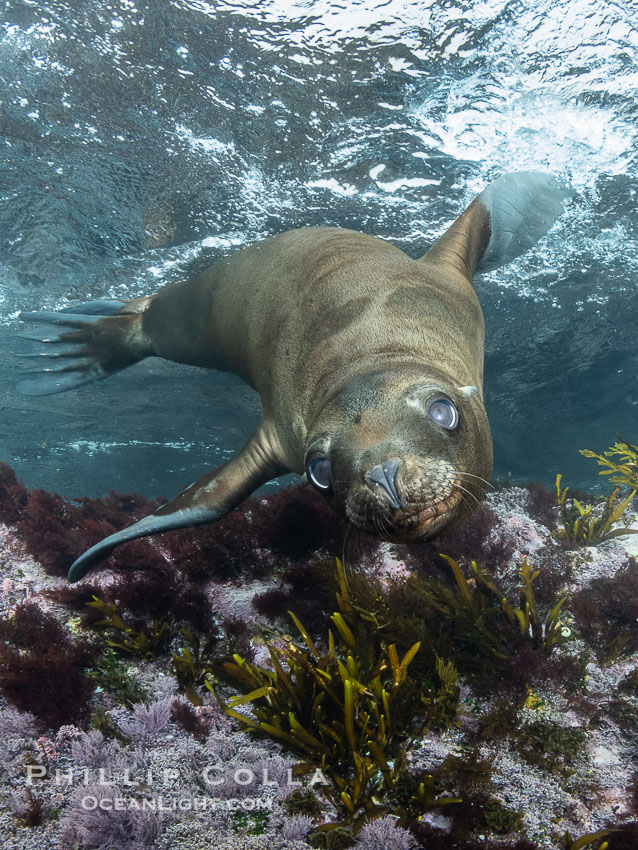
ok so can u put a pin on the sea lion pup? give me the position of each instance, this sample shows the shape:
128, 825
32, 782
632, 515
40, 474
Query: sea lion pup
369, 364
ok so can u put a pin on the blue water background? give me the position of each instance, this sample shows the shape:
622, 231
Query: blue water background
140, 141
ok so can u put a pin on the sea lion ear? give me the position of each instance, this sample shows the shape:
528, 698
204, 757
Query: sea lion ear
467, 392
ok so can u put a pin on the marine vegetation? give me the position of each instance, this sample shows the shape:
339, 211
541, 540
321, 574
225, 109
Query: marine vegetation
44, 671
543, 633
570, 843
472, 620
28, 810
192, 663
444, 668
109, 673
582, 524
349, 710
550, 746
145, 645
623, 472
607, 611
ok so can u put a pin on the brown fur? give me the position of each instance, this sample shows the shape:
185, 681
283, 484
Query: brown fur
299, 314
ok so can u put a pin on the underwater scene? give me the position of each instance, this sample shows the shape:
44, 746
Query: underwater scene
343, 552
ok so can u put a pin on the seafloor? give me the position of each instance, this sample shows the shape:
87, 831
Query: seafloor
517, 716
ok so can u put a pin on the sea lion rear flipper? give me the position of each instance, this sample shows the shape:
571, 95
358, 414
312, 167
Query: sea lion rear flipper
209, 498
504, 221
82, 344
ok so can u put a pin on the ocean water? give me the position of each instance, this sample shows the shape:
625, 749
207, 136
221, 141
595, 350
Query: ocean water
140, 141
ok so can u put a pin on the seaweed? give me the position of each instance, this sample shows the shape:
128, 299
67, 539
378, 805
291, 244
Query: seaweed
308, 587
56, 531
303, 524
237, 635
433, 838
29, 812
384, 834
233, 548
581, 526
587, 840
623, 837
254, 823
108, 674
162, 593
338, 838
624, 472
296, 827
273, 603
13, 495
192, 663
629, 684
541, 504
470, 776
606, 612
472, 619
477, 538
350, 711
43, 670
185, 716
254, 538
102, 721
133, 641
500, 819
149, 720
550, 746
107, 825
303, 802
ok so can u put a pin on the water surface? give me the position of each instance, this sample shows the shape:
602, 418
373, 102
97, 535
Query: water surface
144, 140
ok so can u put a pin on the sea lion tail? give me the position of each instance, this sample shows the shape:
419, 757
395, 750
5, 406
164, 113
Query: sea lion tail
82, 344
522, 208
504, 221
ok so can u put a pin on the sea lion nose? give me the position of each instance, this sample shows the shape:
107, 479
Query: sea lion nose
385, 474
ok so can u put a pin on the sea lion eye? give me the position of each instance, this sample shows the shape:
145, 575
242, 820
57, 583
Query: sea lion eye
319, 472
444, 413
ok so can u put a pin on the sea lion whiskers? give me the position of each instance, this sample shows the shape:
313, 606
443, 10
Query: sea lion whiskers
472, 475
464, 490
471, 507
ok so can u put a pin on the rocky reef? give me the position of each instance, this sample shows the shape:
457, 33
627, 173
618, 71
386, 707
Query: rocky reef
278, 680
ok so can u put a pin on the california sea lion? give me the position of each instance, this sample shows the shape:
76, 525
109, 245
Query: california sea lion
369, 364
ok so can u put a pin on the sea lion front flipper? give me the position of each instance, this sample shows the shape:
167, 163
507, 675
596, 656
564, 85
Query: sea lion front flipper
504, 221
208, 499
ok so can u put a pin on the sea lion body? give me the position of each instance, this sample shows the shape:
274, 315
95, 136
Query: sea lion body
319, 306
369, 364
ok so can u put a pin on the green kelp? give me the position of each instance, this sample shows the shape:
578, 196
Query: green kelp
133, 641
543, 633
110, 674
587, 840
349, 710
471, 620
580, 523
623, 472
192, 663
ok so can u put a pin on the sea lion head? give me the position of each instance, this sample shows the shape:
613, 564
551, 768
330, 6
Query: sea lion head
401, 452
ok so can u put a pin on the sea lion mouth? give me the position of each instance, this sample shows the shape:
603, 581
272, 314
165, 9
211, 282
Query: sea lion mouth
412, 521
420, 523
